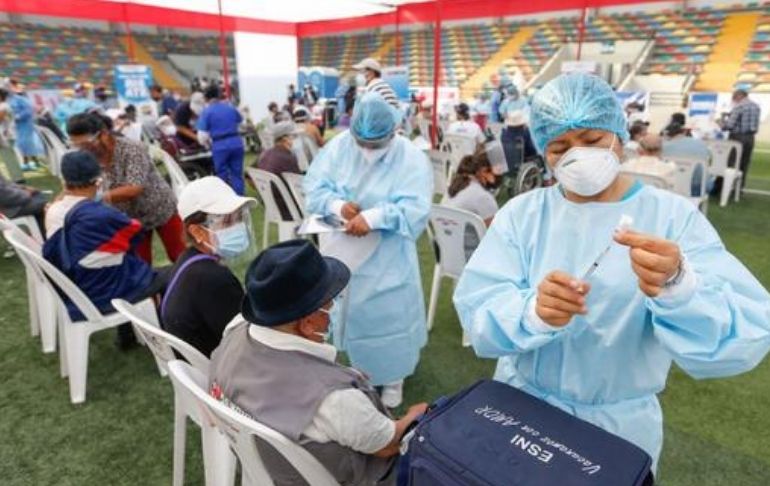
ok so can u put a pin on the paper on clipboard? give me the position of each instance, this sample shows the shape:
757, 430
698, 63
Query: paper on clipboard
317, 224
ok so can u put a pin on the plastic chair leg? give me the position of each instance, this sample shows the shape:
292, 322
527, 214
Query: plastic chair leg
218, 459
47, 318
76, 339
33, 301
738, 187
434, 290
63, 368
265, 230
180, 437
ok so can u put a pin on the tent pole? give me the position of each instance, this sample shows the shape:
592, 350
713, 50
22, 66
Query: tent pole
129, 36
398, 37
223, 52
436, 71
582, 30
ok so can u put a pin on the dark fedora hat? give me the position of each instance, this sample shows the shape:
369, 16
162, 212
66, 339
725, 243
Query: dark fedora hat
290, 280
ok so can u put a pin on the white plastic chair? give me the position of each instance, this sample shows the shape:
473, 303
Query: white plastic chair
265, 137
685, 168
298, 149
650, 179
55, 149
448, 230
178, 178
459, 147
74, 336
294, 183
732, 177
33, 229
440, 172
495, 129
242, 431
311, 148
264, 181
219, 463
42, 310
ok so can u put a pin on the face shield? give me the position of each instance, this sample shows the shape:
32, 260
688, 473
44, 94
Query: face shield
232, 236
496, 156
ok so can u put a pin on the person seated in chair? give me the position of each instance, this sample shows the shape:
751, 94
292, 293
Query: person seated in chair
650, 161
93, 244
466, 127
302, 119
274, 366
203, 295
469, 189
279, 159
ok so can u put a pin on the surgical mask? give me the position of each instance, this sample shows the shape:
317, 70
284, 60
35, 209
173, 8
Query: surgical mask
169, 130
326, 335
373, 155
232, 241
587, 171
360, 80
99, 196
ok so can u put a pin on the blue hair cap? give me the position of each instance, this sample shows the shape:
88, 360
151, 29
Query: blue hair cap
373, 118
575, 101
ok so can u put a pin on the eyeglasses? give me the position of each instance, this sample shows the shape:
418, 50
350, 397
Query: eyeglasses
85, 143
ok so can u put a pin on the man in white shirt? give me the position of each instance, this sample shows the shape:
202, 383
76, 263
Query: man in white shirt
464, 126
650, 162
372, 72
273, 365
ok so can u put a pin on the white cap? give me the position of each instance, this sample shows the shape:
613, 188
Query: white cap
368, 63
210, 195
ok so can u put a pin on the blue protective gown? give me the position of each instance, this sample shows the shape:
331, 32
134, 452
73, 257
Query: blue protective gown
27, 139
606, 367
385, 326
70, 107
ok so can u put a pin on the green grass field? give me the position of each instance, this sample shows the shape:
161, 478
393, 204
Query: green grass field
716, 430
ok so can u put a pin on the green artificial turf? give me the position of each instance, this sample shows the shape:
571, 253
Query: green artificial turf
716, 430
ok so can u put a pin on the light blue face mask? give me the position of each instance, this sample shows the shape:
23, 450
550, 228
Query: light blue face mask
232, 241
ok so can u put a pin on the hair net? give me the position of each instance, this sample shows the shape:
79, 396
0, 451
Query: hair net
573, 101
373, 118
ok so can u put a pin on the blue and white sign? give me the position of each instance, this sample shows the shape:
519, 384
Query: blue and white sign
132, 84
398, 79
703, 104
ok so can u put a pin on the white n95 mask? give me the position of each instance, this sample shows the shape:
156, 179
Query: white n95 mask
587, 171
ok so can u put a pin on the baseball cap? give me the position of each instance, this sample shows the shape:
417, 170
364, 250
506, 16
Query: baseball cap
210, 195
79, 168
368, 63
282, 129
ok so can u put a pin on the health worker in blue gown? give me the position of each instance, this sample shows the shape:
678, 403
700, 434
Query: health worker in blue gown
600, 344
381, 185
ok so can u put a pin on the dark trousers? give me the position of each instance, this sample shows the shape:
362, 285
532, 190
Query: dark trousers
747, 141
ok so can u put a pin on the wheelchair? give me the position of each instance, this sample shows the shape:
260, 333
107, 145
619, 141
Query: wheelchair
526, 168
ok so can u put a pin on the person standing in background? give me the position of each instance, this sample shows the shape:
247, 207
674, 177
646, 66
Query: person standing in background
219, 127
743, 123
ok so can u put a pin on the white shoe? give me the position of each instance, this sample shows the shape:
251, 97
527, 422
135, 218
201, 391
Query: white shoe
393, 394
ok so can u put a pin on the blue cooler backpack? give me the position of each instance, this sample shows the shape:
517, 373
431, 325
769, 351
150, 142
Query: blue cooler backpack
492, 434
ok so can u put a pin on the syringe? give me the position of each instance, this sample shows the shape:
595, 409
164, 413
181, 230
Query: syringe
625, 223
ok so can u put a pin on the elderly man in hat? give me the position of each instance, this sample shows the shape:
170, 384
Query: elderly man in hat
275, 366
371, 71
280, 158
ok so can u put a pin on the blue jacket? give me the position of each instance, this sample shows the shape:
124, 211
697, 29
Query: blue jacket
94, 249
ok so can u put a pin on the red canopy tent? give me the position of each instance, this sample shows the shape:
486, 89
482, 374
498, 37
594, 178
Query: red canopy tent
403, 12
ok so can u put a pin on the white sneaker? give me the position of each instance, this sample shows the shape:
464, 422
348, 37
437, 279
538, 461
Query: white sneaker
393, 394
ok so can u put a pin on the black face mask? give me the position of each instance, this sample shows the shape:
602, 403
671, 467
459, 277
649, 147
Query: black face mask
494, 185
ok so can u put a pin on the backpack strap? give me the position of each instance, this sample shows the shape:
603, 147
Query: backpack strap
175, 279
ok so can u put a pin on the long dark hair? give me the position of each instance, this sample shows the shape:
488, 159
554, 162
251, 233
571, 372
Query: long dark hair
466, 171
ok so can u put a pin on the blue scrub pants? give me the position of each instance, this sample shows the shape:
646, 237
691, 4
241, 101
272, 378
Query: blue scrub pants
228, 165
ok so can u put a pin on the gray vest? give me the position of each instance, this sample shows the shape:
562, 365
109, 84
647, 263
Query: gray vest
283, 390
